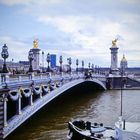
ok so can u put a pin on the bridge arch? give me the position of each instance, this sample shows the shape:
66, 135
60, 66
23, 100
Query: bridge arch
17, 120
92, 84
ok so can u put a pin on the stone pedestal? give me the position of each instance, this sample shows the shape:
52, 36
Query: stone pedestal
35, 61
114, 60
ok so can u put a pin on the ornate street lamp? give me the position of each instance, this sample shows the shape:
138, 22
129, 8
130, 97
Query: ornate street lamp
82, 65
48, 59
4, 55
69, 62
95, 69
89, 65
60, 61
92, 67
42, 61
98, 70
77, 63
30, 57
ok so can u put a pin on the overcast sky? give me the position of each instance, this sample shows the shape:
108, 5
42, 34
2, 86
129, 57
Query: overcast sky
82, 29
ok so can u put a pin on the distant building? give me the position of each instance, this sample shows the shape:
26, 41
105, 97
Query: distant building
53, 60
134, 70
21, 66
25, 63
123, 64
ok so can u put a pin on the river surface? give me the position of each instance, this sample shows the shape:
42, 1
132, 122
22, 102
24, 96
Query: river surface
97, 106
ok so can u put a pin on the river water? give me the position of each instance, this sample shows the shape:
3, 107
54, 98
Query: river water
97, 106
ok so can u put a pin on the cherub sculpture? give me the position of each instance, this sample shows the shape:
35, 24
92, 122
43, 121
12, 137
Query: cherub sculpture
35, 43
114, 42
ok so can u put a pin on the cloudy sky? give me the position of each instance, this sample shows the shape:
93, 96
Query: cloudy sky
82, 29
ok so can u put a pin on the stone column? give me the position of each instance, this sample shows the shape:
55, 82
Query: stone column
31, 99
40, 92
19, 104
62, 81
36, 55
3, 110
48, 88
114, 59
55, 85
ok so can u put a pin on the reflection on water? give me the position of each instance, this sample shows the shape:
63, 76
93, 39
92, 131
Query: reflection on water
51, 122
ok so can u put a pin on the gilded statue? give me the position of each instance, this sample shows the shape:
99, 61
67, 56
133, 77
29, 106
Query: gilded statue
114, 42
35, 43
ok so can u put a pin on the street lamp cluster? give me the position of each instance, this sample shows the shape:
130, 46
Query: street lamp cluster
5, 54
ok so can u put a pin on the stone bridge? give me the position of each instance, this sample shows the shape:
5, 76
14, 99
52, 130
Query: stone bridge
126, 82
20, 98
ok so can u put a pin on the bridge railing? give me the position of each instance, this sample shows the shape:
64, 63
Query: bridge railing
24, 77
28, 79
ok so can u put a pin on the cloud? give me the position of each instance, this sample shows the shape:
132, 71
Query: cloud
30, 2
18, 50
132, 1
85, 31
84, 28
14, 2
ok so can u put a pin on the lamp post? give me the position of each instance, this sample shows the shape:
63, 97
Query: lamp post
4, 55
69, 62
92, 68
60, 61
89, 65
77, 63
48, 59
82, 66
30, 57
98, 70
42, 61
95, 69
122, 86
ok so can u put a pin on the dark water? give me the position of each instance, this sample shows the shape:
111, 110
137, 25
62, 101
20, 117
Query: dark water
51, 122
